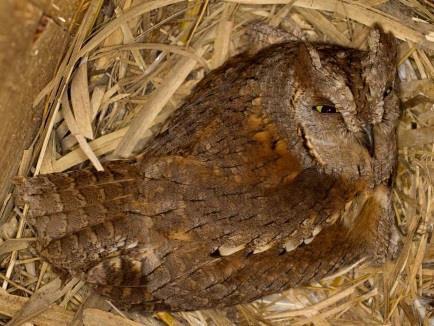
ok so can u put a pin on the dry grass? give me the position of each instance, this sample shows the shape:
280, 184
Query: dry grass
124, 73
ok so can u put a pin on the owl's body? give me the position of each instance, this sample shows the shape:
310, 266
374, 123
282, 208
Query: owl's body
250, 189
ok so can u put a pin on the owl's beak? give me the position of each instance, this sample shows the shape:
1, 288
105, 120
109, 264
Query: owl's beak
368, 139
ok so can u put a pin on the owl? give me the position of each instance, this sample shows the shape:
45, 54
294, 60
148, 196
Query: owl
276, 172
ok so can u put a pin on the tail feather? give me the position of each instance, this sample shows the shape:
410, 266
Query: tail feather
64, 203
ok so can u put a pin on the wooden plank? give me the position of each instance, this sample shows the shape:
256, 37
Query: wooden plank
34, 35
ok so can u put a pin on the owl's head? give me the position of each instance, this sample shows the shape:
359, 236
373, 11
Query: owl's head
346, 106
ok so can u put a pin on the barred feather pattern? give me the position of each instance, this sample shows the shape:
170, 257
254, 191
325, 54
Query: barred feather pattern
246, 192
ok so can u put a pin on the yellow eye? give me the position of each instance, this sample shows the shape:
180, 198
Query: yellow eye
324, 109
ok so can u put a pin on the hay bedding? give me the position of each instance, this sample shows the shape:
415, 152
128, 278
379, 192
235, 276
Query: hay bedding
129, 66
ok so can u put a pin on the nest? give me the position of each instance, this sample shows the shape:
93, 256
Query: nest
130, 65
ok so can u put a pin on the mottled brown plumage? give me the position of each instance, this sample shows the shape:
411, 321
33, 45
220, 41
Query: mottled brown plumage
248, 191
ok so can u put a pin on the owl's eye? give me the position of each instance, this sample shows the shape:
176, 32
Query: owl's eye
324, 109
387, 91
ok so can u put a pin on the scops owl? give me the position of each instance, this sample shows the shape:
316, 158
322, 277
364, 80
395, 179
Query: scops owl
276, 172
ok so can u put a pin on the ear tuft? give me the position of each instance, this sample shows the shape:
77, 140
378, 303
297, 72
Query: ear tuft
382, 46
374, 39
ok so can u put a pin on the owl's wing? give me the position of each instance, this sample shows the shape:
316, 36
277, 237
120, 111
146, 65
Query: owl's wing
193, 201
238, 278
182, 234
171, 202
